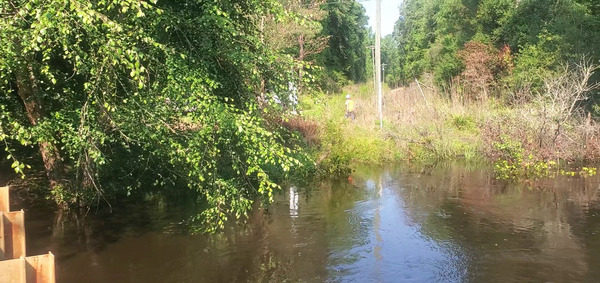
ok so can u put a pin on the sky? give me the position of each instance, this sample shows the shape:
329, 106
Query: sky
389, 14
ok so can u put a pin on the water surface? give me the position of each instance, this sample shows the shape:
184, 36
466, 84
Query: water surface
440, 224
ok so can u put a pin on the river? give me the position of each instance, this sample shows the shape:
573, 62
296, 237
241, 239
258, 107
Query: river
447, 223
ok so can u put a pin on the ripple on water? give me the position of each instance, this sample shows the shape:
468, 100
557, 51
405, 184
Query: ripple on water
448, 224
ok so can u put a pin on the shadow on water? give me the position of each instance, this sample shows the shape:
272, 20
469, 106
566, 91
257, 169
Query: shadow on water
443, 223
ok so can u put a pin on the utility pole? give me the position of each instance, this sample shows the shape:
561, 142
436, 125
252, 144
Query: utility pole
378, 58
383, 72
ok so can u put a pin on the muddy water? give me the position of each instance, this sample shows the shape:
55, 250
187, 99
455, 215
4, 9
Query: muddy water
441, 224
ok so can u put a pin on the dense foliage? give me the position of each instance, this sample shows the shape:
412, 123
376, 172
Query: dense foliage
534, 38
118, 96
327, 39
346, 26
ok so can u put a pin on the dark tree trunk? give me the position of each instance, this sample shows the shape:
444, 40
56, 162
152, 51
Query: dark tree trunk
29, 93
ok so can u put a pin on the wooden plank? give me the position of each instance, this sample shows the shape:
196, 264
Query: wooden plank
2, 239
4, 199
40, 269
13, 271
14, 235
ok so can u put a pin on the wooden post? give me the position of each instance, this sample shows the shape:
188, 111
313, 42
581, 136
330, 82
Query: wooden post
2, 238
13, 271
14, 234
41, 269
4, 201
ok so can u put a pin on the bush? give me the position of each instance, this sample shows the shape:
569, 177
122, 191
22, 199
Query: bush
482, 66
331, 81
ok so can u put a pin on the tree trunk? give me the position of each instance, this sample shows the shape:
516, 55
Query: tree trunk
29, 93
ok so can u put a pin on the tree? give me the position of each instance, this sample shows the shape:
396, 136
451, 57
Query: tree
117, 96
299, 35
391, 58
345, 24
541, 34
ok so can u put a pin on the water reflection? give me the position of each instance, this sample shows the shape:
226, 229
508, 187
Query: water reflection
516, 232
294, 201
394, 249
442, 224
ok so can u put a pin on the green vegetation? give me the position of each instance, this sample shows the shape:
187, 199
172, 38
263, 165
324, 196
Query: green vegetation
346, 24
511, 82
427, 127
116, 99
412, 130
524, 40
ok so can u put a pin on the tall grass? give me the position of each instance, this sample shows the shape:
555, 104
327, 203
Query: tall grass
422, 124
412, 129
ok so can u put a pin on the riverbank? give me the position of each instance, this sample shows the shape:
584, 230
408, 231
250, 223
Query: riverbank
530, 138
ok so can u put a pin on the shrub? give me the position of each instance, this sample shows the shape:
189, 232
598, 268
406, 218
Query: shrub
482, 66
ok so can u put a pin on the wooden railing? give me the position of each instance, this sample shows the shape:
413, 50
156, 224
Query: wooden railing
15, 265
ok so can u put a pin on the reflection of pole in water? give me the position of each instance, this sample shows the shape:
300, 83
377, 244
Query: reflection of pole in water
293, 202
377, 222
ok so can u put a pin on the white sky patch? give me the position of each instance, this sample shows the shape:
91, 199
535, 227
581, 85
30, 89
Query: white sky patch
390, 12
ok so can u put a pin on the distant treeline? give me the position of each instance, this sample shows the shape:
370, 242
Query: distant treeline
489, 43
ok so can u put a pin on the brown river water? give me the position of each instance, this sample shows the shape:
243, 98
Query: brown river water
448, 223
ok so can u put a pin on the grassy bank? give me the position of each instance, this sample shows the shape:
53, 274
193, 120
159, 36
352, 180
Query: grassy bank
525, 138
